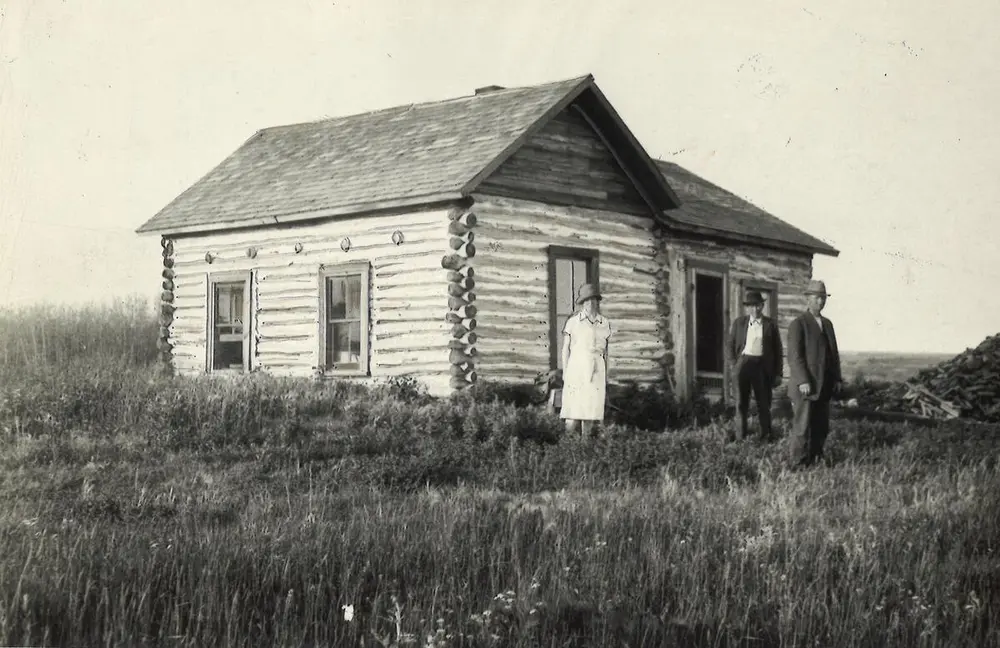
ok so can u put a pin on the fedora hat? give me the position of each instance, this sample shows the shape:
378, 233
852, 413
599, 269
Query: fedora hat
588, 291
816, 287
753, 297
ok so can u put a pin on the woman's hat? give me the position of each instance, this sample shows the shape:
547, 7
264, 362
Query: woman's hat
588, 291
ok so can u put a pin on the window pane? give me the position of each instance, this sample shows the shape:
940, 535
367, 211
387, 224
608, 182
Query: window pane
343, 297
353, 290
564, 285
228, 355
222, 306
229, 306
336, 300
343, 348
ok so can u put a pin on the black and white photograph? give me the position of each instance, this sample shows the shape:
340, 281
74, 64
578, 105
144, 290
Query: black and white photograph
499, 324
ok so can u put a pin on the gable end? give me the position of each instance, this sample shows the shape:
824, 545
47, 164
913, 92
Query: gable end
566, 163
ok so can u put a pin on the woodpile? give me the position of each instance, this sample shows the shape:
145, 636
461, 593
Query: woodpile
967, 386
461, 295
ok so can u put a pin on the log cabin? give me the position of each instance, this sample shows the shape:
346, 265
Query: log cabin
446, 241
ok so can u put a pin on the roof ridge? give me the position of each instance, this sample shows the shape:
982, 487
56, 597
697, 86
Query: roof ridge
433, 102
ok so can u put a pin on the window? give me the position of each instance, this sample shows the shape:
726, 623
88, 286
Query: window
344, 309
228, 322
569, 269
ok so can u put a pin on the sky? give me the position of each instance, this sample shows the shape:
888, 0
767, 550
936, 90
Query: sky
868, 124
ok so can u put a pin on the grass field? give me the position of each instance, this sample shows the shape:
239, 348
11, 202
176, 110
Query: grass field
895, 367
143, 510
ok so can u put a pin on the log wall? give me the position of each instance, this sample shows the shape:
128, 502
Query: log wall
511, 270
408, 332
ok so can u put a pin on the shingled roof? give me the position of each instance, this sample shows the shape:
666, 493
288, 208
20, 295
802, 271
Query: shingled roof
436, 152
401, 156
706, 206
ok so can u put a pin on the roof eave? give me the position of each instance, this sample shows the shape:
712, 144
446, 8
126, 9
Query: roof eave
310, 215
672, 224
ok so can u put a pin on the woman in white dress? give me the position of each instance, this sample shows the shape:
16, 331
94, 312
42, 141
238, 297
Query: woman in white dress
584, 361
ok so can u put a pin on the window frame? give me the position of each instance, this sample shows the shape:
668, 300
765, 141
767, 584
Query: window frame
696, 267
345, 270
213, 279
592, 257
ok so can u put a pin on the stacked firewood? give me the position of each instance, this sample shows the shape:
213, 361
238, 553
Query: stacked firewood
461, 310
966, 386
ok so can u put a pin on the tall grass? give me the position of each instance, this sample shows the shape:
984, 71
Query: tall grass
139, 509
50, 335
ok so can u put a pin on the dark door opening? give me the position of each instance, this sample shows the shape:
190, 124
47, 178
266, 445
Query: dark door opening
709, 324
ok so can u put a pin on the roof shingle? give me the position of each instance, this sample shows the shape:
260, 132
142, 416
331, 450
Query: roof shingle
415, 154
395, 154
707, 205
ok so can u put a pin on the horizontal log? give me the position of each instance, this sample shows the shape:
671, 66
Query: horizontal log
422, 307
409, 362
330, 254
421, 277
382, 225
416, 291
400, 339
435, 347
542, 229
459, 329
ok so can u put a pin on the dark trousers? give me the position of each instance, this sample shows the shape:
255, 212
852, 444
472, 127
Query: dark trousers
750, 376
810, 425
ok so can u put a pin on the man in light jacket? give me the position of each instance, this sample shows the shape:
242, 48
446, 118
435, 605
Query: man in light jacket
814, 362
755, 346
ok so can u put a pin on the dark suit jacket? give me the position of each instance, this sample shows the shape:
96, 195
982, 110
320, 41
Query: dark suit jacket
807, 355
772, 352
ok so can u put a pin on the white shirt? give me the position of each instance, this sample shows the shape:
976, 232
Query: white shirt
755, 338
819, 320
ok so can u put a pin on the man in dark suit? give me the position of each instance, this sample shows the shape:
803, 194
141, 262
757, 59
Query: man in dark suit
814, 361
755, 346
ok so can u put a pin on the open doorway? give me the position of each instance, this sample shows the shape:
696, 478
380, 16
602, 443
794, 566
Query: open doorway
708, 318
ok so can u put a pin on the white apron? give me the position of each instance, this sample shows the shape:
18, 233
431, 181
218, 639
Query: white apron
585, 376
